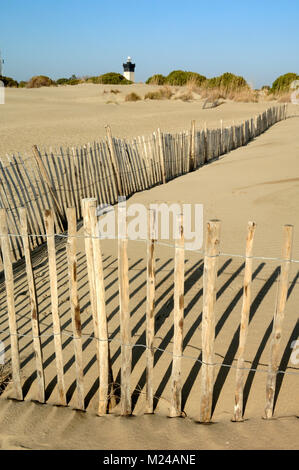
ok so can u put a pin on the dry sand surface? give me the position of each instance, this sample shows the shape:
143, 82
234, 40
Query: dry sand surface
71, 115
258, 182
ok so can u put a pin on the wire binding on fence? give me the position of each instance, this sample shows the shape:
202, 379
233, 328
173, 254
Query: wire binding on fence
183, 356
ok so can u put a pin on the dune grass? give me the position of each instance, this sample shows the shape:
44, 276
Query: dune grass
5, 376
164, 93
132, 97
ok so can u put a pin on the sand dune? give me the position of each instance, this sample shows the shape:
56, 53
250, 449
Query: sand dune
258, 182
73, 115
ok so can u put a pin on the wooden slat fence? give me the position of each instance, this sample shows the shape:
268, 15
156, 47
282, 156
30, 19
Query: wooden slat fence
61, 178
106, 398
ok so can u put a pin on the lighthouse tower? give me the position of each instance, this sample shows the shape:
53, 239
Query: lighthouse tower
129, 70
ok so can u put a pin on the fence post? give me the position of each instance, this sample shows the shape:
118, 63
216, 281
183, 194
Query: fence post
208, 318
100, 313
74, 303
52, 190
114, 161
278, 319
87, 203
192, 147
49, 223
125, 331
161, 156
150, 309
33, 306
238, 409
176, 388
9, 284
221, 136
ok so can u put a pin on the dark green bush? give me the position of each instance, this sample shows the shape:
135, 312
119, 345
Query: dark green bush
282, 83
227, 81
110, 78
74, 81
62, 81
9, 82
22, 84
181, 77
39, 81
157, 79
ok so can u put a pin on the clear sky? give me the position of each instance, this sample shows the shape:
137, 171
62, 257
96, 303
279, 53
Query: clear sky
256, 39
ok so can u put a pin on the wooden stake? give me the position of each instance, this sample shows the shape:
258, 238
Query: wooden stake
87, 205
52, 190
161, 155
101, 314
49, 223
192, 147
208, 319
176, 388
9, 283
150, 310
74, 302
34, 307
278, 319
114, 161
238, 410
125, 331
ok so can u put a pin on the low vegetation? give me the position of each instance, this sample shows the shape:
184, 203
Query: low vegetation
225, 86
176, 78
164, 93
8, 82
110, 78
187, 96
39, 81
5, 376
282, 83
132, 97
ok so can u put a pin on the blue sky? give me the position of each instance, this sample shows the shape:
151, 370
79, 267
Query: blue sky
58, 38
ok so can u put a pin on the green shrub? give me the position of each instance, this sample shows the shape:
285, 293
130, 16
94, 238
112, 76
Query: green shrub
227, 82
132, 97
111, 78
180, 78
22, 84
40, 81
62, 81
282, 83
74, 81
157, 79
9, 82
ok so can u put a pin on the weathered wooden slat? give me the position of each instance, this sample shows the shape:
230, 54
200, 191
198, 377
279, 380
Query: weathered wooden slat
9, 284
49, 223
101, 314
176, 381
125, 331
208, 318
278, 319
33, 307
238, 409
150, 310
71, 249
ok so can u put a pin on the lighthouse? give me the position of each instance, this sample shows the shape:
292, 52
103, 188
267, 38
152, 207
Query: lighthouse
129, 70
